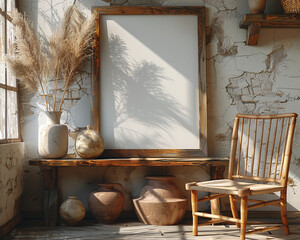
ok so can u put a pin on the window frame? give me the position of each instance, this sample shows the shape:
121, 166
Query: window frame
6, 87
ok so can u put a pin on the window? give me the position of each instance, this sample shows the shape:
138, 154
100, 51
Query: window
9, 109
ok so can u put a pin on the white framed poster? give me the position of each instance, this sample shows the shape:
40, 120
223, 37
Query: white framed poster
150, 81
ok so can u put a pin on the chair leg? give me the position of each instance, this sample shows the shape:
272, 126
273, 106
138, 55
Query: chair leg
233, 209
194, 198
283, 211
244, 213
215, 208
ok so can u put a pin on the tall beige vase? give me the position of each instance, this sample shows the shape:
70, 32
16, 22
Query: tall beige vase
257, 6
53, 137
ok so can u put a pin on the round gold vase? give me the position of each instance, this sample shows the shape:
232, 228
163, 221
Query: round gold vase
89, 143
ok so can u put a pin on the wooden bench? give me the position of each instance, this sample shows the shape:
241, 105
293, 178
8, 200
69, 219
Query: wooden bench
49, 169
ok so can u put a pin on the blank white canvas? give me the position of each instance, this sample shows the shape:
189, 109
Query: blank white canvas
149, 82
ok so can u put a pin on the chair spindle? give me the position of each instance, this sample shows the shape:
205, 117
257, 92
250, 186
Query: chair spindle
261, 143
247, 146
254, 147
278, 149
273, 146
240, 147
267, 147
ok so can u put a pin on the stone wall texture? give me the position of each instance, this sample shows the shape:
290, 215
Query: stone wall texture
11, 180
260, 79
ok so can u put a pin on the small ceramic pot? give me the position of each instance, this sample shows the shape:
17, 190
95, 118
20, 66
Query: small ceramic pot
106, 203
89, 143
257, 6
53, 137
72, 211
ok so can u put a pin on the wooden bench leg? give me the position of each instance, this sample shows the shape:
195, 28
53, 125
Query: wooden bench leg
50, 196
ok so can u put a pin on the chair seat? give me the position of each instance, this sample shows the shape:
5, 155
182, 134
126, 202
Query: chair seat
234, 187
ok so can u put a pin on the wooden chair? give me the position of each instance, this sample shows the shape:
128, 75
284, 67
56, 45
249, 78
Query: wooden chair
260, 156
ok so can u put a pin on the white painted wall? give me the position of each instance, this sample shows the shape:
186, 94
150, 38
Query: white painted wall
248, 79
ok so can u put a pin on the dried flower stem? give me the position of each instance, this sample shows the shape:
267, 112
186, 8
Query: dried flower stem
62, 99
44, 93
55, 84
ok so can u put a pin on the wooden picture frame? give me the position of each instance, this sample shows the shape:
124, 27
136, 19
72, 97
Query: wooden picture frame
199, 12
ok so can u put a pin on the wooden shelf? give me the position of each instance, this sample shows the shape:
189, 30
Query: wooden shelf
49, 169
79, 162
254, 22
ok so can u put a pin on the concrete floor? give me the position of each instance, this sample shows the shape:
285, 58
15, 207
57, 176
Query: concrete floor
132, 230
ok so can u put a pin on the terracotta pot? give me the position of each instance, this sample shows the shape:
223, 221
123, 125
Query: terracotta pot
106, 204
53, 137
89, 143
257, 6
160, 202
72, 211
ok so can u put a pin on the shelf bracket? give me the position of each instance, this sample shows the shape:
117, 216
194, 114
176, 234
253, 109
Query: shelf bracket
254, 22
253, 32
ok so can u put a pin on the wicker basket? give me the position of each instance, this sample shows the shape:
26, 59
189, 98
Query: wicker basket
291, 6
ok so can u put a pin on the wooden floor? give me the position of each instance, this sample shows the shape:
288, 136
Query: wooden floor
133, 230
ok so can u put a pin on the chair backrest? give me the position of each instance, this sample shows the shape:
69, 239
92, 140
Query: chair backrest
261, 147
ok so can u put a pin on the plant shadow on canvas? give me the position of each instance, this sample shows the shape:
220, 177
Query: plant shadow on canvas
143, 109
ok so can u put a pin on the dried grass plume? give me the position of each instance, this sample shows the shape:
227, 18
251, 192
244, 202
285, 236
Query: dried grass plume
69, 48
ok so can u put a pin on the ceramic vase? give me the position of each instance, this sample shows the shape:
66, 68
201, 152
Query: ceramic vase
72, 211
53, 137
89, 143
257, 6
107, 202
160, 202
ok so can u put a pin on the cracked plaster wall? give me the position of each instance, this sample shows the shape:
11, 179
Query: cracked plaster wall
11, 180
240, 78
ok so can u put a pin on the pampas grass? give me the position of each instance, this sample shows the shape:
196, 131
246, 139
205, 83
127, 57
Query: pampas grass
69, 48
29, 64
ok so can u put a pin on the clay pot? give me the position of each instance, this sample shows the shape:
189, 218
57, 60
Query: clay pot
160, 202
72, 211
53, 137
106, 204
89, 143
257, 6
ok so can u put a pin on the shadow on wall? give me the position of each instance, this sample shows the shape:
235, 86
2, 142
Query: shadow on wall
136, 86
50, 12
